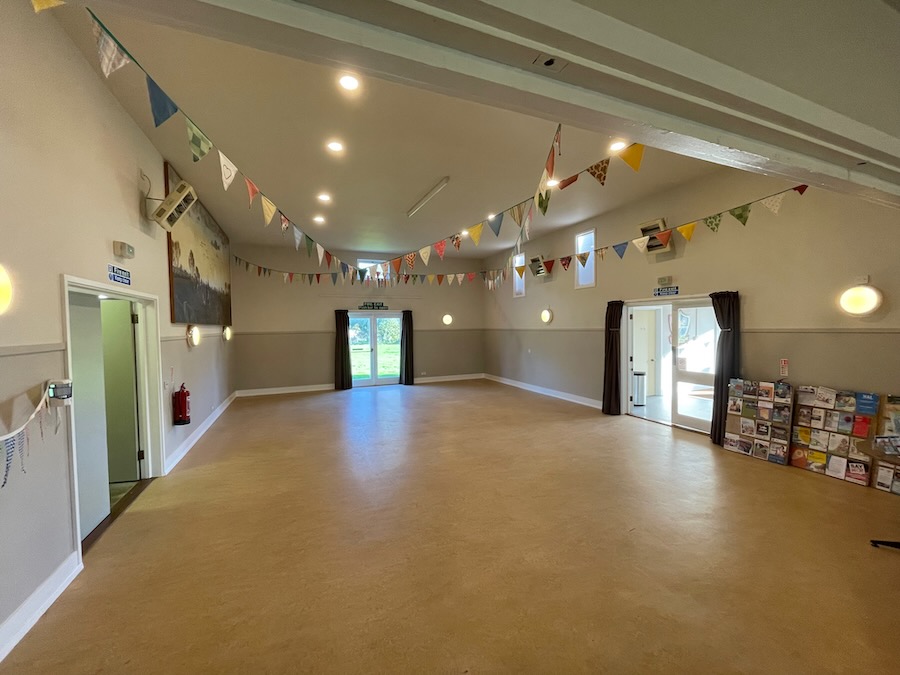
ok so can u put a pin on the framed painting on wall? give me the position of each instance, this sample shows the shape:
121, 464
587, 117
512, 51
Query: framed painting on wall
199, 266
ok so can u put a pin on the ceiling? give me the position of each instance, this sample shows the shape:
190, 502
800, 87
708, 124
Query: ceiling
272, 115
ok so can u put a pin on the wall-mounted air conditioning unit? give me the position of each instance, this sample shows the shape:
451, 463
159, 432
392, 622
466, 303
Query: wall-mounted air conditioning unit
175, 206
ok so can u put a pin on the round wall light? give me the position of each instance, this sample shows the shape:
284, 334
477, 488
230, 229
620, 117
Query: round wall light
6, 291
227, 333
547, 315
193, 336
860, 300
447, 319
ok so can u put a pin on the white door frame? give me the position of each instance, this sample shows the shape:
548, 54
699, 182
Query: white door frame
149, 374
373, 341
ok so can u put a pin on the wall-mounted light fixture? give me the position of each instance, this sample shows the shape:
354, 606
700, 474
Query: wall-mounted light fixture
227, 333
547, 315
447, 319
6, 291
193, 335
860, 300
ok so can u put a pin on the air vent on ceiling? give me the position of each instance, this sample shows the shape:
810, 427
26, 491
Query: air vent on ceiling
548, 62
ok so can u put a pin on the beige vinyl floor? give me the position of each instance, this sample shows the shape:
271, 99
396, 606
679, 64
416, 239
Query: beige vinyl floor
475, 528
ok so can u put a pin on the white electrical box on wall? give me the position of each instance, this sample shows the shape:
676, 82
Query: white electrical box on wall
59, 393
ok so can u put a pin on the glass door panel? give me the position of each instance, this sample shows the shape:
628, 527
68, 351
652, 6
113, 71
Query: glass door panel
387, 353
374, 348
696, 334
361, 353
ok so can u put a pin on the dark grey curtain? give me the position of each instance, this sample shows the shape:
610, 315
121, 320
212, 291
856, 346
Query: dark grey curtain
727, 306
407, 370
612, 380
343, 378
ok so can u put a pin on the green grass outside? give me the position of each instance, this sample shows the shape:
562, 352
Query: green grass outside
388, 362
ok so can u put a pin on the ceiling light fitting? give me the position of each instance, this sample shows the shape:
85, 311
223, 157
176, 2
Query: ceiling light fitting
428, 196
335, 146
618, 145
552, 182
324, 197
349, 82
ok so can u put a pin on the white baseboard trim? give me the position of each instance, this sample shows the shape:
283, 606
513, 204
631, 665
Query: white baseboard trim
191, 440
449, 378
273, 391
23, 619
565, 396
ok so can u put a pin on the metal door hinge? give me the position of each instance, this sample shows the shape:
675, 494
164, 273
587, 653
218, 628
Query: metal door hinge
135, 318
140, 454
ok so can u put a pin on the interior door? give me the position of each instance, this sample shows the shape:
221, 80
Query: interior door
374, 348
695, 334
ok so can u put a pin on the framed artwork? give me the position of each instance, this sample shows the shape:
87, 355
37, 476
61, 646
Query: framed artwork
199, 266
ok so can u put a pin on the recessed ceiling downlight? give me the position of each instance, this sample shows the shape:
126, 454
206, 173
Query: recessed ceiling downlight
618, 145
335, 146
349, 82
552, 182
324, 197
320, 220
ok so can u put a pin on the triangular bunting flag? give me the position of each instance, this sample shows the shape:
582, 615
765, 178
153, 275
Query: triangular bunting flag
565, 262
318, 278
566, 182
583, 257
456, 240
310, 244
440, 278
599, 170
440, 247
800, 188
334, 276
633, 155
687, 230
111, 57
200, 144
425, 254
741, 213
641, 243
298, 237
495, 223
773, 203
291, 277
526, 224
664, 237
328, 258
252, 190
520, 270
321, 251
430, 279
410, 260
470, 276
517, 212
259, 271
285, 225
229, 170
396, 263
422, 279
284, 277
269, 209
475, 233
620, 249
161, 105
451, 279
601, 252
460, 277
542, 194
713, 222
548, 265
362, 274
405, 278
41, 5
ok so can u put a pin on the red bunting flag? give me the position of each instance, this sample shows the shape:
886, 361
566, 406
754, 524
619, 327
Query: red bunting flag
318, 278
548, 265
411, 260
664, 237
440, 247
440, 278
291, 276
252, 190
471, 276
800, 188
566, 182
327, 260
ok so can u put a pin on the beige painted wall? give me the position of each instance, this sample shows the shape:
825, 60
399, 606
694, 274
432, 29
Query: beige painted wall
70, 185
788, 268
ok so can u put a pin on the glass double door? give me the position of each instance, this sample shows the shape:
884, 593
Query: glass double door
374, 348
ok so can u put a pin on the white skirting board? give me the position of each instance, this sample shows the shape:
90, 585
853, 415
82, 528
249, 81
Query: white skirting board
565, 396
274, 391
191, 440
23, 619
450, 378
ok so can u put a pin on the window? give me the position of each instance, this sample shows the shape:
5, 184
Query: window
376, 268
518, 281
585, 276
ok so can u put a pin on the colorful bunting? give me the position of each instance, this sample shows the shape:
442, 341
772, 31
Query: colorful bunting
599, 170
517, 212
460, 277
321, 251
664, 237
687, 230
565, 262
396, 263
161, 105
108, 51
252, 190
440, 247
269, 208
641, 243
773, 203
583, 257
520, 270
451, 279
566, 182
41, 5
526, 224
309, 247
620, 249
633, 155
713, 222
197, 140
411, 260
285, 225
229, 170
328, 258
470, 276
298, 237
425, 254
431, 279
456, 240
475, 233
495, 223
741, 213
440, 278
362, 273
334, 276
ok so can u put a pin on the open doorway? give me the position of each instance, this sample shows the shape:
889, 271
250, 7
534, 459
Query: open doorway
672, 362
375, 348
112, 351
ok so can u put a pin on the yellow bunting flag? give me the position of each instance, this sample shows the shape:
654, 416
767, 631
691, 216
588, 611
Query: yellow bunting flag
41, 5
430, 279
269, 209
687, 231
633, 155
520, 270
475, 233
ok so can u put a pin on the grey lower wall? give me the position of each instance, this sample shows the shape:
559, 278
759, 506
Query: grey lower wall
36, 528
570, 361
207, 371
266, 360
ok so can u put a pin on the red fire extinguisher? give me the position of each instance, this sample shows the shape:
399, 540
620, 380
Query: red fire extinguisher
181, 406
